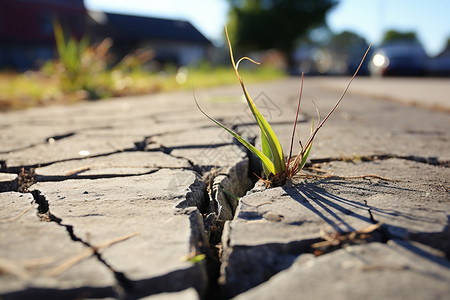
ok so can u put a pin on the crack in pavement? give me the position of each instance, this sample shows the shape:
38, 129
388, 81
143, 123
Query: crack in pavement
53, 138
78, 175
123, 283
329, 207
17, 169
212, 224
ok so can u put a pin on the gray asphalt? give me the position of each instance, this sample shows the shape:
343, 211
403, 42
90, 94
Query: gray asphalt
110, 199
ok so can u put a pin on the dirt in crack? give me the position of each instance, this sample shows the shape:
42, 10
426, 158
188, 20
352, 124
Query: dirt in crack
124, 284
26, 179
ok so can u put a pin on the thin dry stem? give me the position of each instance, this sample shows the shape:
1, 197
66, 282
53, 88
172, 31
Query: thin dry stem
78, 170
336, 238
17, 216
8, 267
293, 168
70, 262
246, 58
295, 124
337, 103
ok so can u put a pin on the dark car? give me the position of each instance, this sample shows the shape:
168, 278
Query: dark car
440, 64
398, 59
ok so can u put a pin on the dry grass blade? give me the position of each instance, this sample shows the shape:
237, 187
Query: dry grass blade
17, 216
8, 267
311, 138
370, 228
70, 262
339, 239
295, 124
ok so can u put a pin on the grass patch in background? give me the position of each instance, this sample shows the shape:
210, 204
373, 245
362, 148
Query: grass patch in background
37, 88
84, 72
207, 76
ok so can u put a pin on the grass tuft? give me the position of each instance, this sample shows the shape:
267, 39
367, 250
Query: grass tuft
271, 155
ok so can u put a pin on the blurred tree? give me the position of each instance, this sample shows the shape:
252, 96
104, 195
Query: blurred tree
342, 54
266, 24
395, 36
346, 39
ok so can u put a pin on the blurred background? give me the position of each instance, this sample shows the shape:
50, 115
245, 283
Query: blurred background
59, 51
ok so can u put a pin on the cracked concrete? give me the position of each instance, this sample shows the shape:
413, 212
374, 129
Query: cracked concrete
375, 271
271, 228
127, 190
31, 250
114, 165
102, 209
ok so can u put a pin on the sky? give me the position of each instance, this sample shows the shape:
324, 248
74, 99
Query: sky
368, 18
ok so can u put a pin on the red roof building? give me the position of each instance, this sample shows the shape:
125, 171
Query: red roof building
26, 29
27, 39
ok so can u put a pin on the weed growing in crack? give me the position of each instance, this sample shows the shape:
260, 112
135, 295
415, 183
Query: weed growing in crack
277, 170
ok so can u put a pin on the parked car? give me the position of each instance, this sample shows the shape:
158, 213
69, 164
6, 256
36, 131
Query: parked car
440, 64
398, 59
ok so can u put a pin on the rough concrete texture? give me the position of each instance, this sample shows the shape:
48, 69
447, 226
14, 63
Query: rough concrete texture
33, 251
114, 165
396, 270
272, 227
149, 206
119, 197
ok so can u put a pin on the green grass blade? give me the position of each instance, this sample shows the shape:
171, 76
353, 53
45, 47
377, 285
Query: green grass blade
305, 157
268, 137
235, 197
59, 37
298, 164
308, 149
266, 150
264, 159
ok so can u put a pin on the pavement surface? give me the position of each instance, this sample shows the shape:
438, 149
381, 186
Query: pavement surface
145, 198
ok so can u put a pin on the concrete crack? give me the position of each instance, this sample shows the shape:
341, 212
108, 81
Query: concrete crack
123, 283
5, 168
215, 208
78, 175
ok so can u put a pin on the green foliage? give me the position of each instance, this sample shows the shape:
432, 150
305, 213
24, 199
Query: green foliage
345, 40
260, 25
84, 69
197, 258
41, 88
394, 35
70, 52
26, 90
81, 67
